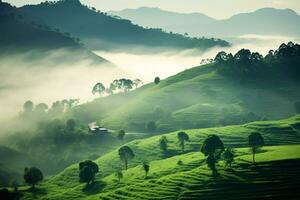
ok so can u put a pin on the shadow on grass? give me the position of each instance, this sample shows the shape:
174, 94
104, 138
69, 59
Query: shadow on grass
94, 188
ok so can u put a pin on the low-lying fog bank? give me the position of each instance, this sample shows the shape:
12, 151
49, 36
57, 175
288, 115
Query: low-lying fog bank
21, 80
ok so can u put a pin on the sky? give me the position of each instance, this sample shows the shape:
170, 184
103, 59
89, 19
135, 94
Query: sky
219, 9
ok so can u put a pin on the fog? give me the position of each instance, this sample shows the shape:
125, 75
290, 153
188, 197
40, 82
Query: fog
22, 80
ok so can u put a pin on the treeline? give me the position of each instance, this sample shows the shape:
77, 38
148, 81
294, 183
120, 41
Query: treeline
286, 59
118, 85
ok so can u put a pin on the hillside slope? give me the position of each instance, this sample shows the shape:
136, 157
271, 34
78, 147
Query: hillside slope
19, 36
100, 31
192, 179
204, 96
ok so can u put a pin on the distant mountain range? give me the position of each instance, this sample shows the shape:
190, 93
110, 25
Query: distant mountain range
18, 36
265, 21
99, 31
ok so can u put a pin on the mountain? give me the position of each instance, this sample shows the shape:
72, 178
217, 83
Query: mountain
265, 21
100, 31
185, 175
170, 21
19, 36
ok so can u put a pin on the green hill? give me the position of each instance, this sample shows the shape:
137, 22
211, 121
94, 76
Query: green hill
210, 95
192, 179
100, 31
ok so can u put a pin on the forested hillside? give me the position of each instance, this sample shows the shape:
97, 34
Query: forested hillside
100, 31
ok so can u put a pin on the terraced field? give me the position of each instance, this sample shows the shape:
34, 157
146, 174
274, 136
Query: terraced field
276, 176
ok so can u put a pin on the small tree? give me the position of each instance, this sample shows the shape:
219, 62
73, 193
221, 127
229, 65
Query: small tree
228, 156
146, 168
121, 135
119, 175
126, 154
98, 88
157, 80
87, 171
163, 143
182, 138
212, 147
87, 174
256, 141
32, 176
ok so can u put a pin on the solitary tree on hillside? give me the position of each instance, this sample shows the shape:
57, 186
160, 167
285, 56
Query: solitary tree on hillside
98, 88
121, 135
182, 138
87, 171
157, 80
146, 168
212, 147
126, 154
163, 143
228, 156
32, 176
87, 175
256, 141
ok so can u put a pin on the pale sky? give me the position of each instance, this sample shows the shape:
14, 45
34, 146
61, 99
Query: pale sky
219, 9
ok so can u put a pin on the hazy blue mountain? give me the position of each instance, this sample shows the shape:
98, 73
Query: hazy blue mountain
18, 36
265, 21
171, 21
101, 31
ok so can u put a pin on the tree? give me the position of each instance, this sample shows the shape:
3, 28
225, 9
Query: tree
71, 124
126, 154
228, 156
119, 175
87, 171
121, 135
32, 176
28, 107
146, 168
89, 163
163, 143
98, 88
256, 141
157, 80
182, 138
41, 108
212, 147
125, 84
87, 175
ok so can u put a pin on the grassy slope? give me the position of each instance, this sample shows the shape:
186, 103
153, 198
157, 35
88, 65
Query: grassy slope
211, 98
166, 178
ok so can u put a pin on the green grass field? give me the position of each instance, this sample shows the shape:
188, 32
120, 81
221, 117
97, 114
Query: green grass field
274, 177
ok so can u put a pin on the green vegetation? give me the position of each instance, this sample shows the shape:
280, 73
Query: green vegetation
168, 180
32, 176
20, 35
243, 89
101, 31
